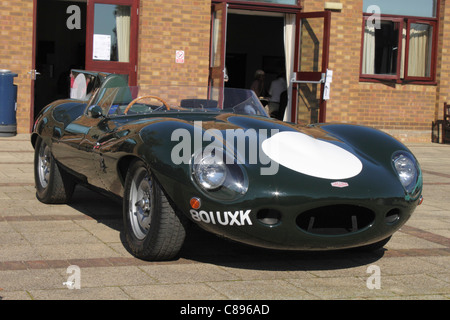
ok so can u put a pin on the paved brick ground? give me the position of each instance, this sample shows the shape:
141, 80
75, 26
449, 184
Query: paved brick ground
39, 242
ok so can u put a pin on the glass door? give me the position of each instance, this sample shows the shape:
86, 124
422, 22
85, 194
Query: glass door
217, 70
112, 29
310, 85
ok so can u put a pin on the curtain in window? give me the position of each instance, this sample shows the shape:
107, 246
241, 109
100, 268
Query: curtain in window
420, 44
123, 32
289, 41
403, 54
368, 63
216, 37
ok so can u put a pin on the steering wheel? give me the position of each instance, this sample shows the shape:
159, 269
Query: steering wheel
145, 97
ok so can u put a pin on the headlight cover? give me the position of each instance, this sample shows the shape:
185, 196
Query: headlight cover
217, 178
209, 173
407, 169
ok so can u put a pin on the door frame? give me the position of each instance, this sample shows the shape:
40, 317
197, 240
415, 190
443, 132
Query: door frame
129, 68
33, 65
304, 77
311, 77
217, 72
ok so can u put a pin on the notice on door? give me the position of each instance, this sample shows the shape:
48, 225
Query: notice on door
102, 47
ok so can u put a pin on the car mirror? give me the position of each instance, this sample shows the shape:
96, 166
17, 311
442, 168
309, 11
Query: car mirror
95, 111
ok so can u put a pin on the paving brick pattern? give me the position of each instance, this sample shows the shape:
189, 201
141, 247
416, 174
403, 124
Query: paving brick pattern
39, 242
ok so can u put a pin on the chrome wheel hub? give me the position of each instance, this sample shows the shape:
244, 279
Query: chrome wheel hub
44, 163
140, 204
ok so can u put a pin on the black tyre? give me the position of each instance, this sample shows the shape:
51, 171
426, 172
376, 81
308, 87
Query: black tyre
53, 185
153, 229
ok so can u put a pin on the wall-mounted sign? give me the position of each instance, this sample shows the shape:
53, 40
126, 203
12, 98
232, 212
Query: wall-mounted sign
179, 56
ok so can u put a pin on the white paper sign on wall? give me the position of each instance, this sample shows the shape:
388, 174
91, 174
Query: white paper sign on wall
179, 56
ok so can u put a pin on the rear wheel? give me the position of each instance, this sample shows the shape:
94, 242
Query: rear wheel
153, 230
53, 185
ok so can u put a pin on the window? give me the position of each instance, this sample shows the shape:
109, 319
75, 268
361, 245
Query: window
398, 44
112, 37
112, 32
284, 2
417, 8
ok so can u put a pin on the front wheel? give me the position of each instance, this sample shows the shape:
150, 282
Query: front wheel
153, 230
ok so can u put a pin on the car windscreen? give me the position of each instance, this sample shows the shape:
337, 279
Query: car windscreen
121, 101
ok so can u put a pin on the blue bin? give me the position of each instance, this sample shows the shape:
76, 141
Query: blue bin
8, 103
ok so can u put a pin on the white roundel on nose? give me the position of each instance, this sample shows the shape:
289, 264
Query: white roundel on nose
302, 153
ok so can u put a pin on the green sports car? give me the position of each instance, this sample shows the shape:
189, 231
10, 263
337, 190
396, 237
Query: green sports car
214, 158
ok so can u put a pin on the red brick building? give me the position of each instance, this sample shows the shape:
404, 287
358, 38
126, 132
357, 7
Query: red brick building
389, 61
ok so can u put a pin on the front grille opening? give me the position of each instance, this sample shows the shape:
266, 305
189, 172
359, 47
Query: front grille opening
392, 217
269, 217
335, 220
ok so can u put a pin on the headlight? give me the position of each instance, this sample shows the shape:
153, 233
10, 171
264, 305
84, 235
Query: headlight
220, 180
209, 173
407, 170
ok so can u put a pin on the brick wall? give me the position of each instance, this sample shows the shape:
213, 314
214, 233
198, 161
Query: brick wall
16, 38
165, 27
403, 110
169, 25
443, 63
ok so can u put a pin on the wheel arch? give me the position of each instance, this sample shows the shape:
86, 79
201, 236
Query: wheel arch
33, 139
123, 166
370, 141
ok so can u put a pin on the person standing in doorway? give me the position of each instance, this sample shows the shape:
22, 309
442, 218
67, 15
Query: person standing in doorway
277, 87
258, 84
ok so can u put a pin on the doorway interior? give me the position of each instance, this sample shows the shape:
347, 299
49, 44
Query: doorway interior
255, 41
296, 43
58, 50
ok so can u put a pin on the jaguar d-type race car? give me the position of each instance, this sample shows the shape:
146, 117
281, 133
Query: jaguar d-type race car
214, 157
